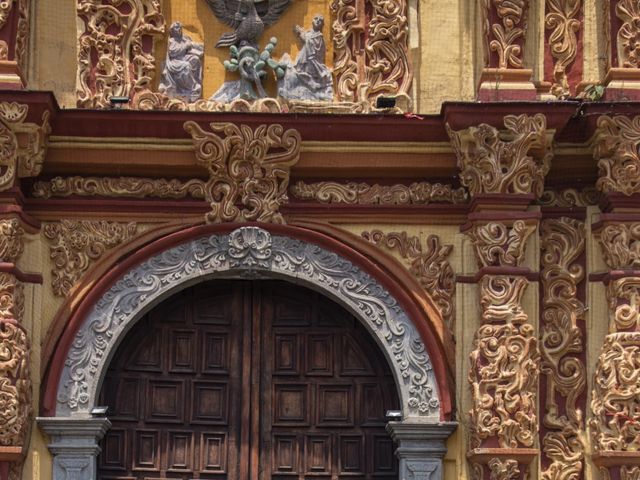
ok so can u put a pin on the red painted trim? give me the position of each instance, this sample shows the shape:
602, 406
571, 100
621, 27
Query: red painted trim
503, 271
10, 268
425, 328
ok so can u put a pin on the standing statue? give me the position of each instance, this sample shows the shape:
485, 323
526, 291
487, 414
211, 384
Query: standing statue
309, 78
182, 72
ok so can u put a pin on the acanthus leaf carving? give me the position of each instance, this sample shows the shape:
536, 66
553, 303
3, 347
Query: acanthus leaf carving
561, 19
512, 161
617, 140
135, 187
507, 37
360, 193
623, 295
248, 169
11, 298
503, 469
628, 11
561, 346
75, 244
620, 243
429, 265
500, 244
115, 49
11, 240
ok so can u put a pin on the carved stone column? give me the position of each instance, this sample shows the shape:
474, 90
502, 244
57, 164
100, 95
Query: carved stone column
74, 444
504, 171
623, 75
615, 397
14, 43
504, 77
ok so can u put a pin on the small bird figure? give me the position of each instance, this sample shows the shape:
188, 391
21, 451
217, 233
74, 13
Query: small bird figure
249, 18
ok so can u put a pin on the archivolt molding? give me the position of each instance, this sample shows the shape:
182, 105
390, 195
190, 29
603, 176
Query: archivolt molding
507, 37
247, 252
562, 347
248, 169
617, 140
134, 187
500, 244
76, 244
511, 161
561, 17
620, 243
22, 144
616, 395
628, 11
429, 265
360, 193
122, 32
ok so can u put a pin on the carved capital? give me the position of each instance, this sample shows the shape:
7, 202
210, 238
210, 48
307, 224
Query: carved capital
500, 244
617, 140
248, 169
22, 144
76, 244
503, 375
505, 25
512, 161
428, 264
620, 243
503, 469
616, 395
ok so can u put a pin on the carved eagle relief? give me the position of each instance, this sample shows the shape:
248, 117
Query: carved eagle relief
248, 18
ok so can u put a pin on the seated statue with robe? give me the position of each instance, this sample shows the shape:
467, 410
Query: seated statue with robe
182, 72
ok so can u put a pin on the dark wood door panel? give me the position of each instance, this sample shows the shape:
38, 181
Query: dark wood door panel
237, 380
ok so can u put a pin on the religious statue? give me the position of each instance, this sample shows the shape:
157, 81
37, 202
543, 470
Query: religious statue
182, 72
309, 78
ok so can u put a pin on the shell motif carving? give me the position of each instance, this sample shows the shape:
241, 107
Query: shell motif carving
511, 161
248, 169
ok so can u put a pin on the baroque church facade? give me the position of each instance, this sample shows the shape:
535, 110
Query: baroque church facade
320, 239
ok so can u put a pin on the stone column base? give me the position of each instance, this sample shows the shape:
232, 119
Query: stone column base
74, 445
498, 84
421, 448
622, 84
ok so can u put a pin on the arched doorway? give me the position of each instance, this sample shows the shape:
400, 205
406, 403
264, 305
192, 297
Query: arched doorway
248, 379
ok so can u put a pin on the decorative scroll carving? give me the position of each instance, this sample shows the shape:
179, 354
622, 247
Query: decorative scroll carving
616, 394
22, 144
501, 299
504, 375
75, 244
248, 169
617, 141
620, 244
630, 473
115, 49
11, 240
624, 304
353, 193
515, 161
15, 385
430, 266
378, 31
570, 197
503, 470
11, 298
506, 38
255, 253
500, 244
135, 187
629, 12
561, 347
561, 18
5, 11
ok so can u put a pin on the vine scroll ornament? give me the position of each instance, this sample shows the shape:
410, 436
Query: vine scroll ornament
506, 37
617, 140
248, 169
628, 11
561, 18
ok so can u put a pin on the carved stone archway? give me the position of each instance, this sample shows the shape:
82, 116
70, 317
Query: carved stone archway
247, 252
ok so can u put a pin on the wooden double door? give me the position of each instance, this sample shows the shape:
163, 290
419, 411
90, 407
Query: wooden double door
248, 380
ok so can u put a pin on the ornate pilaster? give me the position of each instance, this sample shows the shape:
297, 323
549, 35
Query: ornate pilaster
14, 42
615, 397
623, 76
504, 171
504, 24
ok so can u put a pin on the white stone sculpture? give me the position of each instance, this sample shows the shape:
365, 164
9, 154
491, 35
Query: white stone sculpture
182, 72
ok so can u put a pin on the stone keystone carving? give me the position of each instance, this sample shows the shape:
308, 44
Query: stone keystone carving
248, 170
511, 161
616, 148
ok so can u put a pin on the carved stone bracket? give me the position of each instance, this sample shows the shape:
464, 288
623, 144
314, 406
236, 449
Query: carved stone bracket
511, 161
22, 144
429, 265
116, 49
76, 244
564, 373
248, 169
500, 244
617, 140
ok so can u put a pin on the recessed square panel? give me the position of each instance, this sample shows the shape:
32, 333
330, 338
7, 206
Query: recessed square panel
126, 400
165, 402
318, 454
183, 351
335, 405
146, 450
213, 310
210, 403
371, 405
285, 454
286, 355
147, 356
351, 455
180, 451
213, 453
380, 452
291, 405
215, 353
319, 355
114, 448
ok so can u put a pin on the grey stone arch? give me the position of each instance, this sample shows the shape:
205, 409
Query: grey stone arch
247, 252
